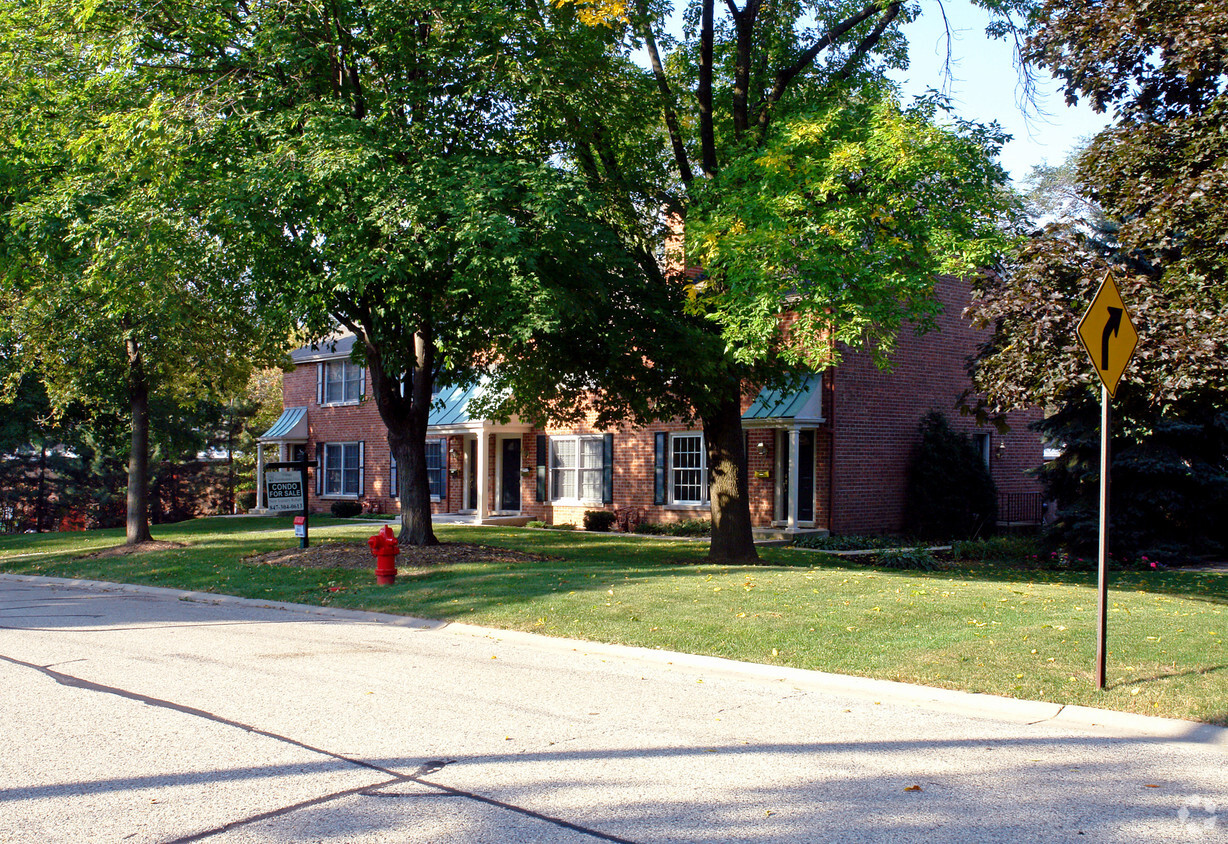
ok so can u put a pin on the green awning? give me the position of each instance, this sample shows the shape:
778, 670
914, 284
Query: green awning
802, 404
291, 426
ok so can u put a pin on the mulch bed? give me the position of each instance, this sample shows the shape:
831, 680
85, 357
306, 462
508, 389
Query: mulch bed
356, 555
125, 550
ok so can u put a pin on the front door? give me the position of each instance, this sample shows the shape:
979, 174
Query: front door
805, 476
509, 487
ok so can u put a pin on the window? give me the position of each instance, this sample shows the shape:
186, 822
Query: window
981, 441
434, 469
688, 469
576, 465
342, 469
342, 383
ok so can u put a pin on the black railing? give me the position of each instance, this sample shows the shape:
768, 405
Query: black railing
1019, 508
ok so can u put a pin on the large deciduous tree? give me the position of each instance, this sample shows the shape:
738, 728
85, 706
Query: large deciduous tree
1156, 180
117, 286
800, 185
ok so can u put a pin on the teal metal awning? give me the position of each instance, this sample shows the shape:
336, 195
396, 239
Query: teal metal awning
451, 406
804, 404
291, 426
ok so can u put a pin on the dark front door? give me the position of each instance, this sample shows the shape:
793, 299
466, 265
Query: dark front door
509, 495
805, 476
473, 475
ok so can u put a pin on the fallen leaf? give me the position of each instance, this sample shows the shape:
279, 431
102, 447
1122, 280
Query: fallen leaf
913, 788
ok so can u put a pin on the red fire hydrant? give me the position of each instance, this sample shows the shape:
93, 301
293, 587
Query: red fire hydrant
384, 547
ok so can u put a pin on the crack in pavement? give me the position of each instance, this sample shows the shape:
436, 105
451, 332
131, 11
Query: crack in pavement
395, 778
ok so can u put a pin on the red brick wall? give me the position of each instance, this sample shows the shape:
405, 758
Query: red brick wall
861, 453
874, 415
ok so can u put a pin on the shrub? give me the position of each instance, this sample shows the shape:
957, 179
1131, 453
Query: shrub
535, 524
345, 509
917, 559
246, 499
561, 526
599, 520
997, 549
848, 542
686, 527
950, 494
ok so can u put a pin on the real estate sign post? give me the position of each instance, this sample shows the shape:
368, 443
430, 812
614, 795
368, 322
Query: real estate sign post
1108, 335
285, 487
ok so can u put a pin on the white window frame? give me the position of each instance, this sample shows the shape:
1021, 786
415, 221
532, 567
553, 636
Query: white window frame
673, 470
578, 471
345, 379
340, 448
442, 468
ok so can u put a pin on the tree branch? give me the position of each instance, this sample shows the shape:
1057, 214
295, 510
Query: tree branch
667, 97
785, 76
867, 43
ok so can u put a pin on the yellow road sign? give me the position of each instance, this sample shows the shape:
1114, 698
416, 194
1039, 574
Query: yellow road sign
1108, 334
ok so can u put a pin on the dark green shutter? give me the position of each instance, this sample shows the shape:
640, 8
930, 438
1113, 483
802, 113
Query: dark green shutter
541, 467
319, 468
607, 469
443, 472
659, 459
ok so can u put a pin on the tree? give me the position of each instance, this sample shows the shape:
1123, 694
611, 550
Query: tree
117, 287
800, 185
950, 493
1157, 176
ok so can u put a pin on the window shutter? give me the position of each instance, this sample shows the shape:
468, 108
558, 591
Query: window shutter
362, 448
362, 382
607, 469
542, 446
393, 480
320, 383
659, 461
319, 468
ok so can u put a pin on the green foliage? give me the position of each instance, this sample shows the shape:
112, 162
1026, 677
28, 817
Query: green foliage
560, 526
949, 492
683, 527
345, 509
844, 215
599, 520
848, 542
535, 523
912, 559
1007, 550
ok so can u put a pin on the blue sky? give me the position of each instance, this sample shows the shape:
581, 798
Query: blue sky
984, 85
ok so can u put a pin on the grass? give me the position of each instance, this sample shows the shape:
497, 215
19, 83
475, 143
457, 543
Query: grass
981, 627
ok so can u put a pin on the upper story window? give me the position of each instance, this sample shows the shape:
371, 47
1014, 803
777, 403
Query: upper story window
341, 382
576, 465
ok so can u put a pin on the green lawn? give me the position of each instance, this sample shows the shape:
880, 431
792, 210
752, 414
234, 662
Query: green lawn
980, 628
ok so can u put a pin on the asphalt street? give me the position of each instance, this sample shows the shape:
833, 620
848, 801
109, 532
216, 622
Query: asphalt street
138, 715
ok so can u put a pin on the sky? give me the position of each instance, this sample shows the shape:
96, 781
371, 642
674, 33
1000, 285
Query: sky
984, 85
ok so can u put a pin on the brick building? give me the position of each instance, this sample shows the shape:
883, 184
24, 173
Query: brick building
832, 455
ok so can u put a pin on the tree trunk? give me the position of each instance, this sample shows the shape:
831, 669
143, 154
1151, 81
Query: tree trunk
138, 459
405, 417
728, 488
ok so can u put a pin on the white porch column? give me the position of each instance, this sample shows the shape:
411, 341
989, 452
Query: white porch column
281, 452
483, 457
259, 476
794, 442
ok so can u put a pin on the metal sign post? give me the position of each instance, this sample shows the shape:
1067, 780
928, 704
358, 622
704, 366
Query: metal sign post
1108, 335
289, 492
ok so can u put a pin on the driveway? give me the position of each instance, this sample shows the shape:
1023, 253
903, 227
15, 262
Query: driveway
140, 715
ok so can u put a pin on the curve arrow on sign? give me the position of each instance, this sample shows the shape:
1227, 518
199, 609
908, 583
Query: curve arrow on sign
1110, 330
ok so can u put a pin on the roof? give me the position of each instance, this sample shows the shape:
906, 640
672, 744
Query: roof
291, 426
327, 349
451, 405
802, 404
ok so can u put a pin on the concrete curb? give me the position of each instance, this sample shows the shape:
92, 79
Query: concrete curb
992, 707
